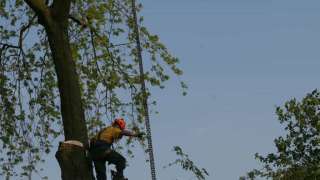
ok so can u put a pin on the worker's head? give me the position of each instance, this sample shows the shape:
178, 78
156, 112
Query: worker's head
120, 122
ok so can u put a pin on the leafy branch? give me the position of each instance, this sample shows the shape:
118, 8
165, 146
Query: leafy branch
187, 164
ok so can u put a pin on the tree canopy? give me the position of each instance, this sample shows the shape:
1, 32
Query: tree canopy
298, 152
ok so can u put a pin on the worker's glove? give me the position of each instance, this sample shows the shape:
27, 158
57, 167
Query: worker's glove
140, 135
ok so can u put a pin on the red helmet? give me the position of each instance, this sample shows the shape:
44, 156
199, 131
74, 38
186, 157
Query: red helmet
120, 122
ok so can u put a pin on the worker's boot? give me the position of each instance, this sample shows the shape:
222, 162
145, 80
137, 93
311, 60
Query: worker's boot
117, 176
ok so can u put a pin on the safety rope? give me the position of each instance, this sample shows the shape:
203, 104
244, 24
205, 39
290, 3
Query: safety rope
144, 92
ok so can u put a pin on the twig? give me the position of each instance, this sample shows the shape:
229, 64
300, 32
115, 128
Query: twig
79, 22
5, 45
94, 32
23, 29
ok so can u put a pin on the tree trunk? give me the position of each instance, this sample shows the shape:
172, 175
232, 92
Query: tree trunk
73, 160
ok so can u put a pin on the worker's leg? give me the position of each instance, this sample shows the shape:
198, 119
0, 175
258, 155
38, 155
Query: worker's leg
100, 166
117, 159
98, 153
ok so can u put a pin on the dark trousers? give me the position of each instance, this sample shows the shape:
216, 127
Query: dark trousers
101, 152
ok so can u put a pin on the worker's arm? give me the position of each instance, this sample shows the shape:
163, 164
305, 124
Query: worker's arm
131, 134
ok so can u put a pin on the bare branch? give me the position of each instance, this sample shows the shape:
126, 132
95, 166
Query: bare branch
121, 44
4, 45
23, 29
123, 9
2, 50
94, 32
20, 43
77, 21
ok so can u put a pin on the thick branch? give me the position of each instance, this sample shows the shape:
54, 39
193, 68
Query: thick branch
60, 9
38, 6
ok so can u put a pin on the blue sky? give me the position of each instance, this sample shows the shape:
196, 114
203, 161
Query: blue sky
241, 58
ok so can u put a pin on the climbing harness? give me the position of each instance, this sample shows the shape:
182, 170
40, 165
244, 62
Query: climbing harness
143, 89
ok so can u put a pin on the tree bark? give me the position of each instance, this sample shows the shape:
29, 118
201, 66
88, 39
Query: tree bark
68, 81
72, 159
73, 165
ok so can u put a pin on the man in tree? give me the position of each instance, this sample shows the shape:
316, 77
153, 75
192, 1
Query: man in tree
78, 54
100, 148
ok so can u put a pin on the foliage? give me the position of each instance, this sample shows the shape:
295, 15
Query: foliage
298, 152
102, 41
187, 164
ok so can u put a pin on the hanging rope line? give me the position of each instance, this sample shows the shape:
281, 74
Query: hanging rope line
144, 92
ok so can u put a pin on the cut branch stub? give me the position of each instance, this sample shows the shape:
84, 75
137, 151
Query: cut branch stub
72, 157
